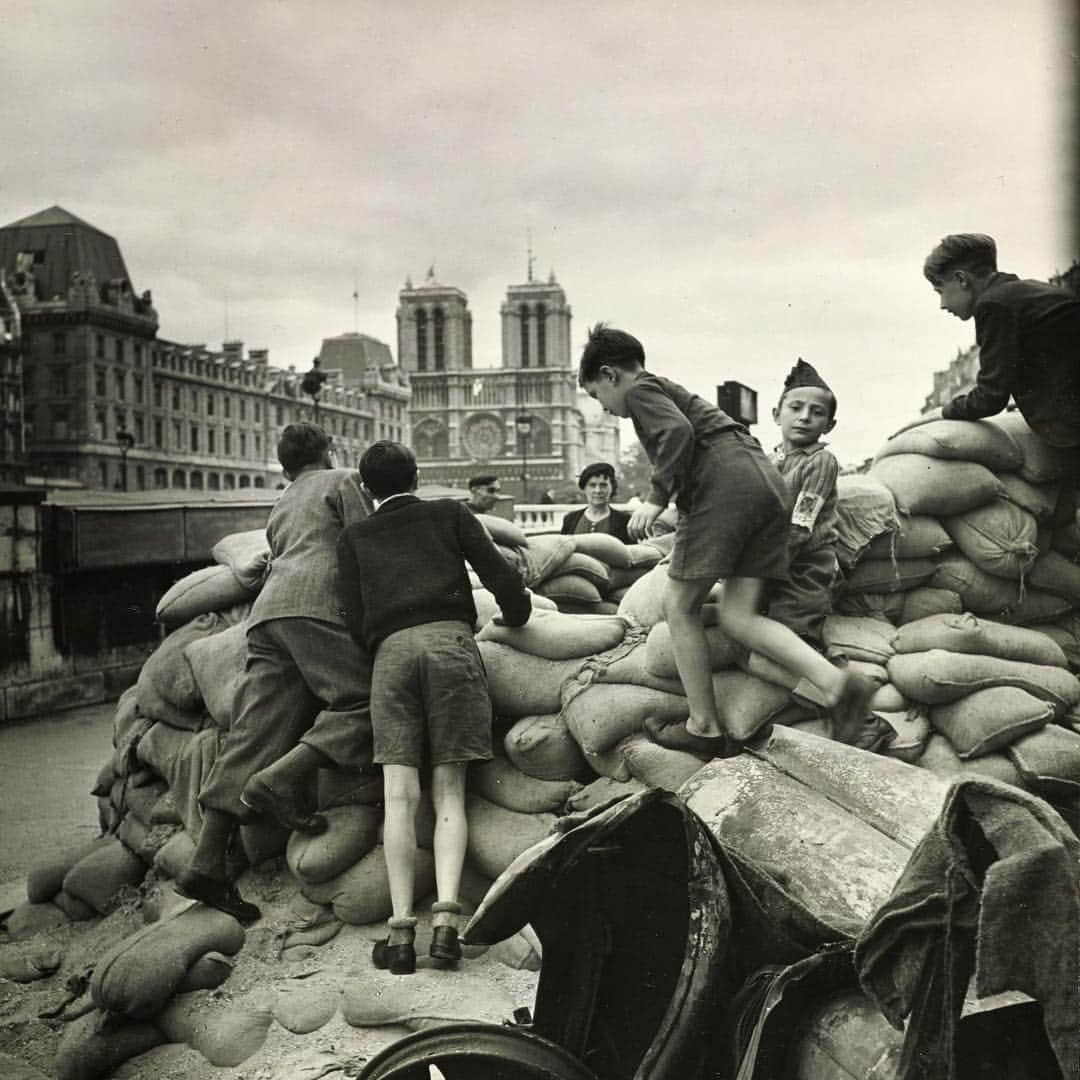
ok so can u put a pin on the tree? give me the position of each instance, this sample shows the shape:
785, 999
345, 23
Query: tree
634, 472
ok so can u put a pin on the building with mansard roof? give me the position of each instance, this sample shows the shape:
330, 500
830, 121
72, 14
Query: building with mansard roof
468, 419
103, 402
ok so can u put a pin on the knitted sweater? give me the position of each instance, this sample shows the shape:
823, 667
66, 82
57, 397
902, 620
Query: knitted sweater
405, 566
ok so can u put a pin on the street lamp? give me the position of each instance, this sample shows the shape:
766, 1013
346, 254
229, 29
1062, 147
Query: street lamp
523, 422
126, 441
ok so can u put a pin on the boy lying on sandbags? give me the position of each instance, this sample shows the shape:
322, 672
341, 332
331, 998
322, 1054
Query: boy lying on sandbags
302, 703
409, 602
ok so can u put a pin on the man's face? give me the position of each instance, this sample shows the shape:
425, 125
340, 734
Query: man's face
957, 296
485, 496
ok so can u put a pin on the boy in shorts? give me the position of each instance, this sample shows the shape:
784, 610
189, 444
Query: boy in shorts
409, 602
734, 516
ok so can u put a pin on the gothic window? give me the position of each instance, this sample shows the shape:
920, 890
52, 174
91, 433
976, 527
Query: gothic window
524, 335
421, 340
440, 339
541, 335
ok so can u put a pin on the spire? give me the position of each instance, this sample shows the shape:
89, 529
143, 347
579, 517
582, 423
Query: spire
529, 254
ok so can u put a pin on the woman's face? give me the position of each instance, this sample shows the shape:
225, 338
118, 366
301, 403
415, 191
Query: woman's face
598, 491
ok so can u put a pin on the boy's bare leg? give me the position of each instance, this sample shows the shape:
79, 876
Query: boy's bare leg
770, 671
682, 609
451, 836
401, 796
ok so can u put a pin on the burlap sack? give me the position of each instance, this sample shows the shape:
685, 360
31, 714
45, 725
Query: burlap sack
501, 782
958, 440
968, 634
200, 592
487, 607
601, 714
865, 509
498, 836
603, 792
99, 876
503, 531
1042, 463
352, 833
217, 664
361, 894
1049, 761
543, 555
927, 600
609, 549
660, 654
644, 599
542, 747
166, 688
940, 758
658, 766
246, 554
521, 684
1056, 574
918, 537
858, 638
45, 878
926, 485
557, 636
1038, 500
90, 1051
887, 607
998, 538
887, 575
746, 704
569, 587
979, 591
225, 1033
990, 719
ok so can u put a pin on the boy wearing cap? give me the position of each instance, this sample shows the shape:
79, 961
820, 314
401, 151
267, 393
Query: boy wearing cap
408, 601
807, 411
733, 524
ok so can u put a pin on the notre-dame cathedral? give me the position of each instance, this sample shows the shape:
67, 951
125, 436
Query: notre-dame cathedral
526, 414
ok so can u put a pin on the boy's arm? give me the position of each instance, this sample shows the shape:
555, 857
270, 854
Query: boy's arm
662, 425
817, 483
498, 576
352, 608
997, 332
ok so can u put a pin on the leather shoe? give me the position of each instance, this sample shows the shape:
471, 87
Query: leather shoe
445, 944
222, 895
263, 799
397, 959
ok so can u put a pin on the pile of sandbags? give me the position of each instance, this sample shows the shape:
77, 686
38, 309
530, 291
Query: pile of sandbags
938, 601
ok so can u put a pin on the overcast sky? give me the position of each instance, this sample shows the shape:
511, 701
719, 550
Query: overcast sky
737, 182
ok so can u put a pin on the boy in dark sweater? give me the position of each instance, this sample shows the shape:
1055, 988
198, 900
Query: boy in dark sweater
408, 601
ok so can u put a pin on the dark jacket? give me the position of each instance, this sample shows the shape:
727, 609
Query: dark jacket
1028, 335
405, 566
617, 523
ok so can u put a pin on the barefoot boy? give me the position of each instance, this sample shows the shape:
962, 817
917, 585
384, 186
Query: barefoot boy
409, 602
733, 524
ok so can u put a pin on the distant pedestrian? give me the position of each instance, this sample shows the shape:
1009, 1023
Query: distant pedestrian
484, 493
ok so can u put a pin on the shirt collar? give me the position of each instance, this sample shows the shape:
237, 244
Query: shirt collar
804, 451
380, 503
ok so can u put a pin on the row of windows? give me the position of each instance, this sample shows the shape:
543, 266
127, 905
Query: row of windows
161, 478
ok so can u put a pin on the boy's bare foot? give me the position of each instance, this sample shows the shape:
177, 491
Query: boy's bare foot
852, 710
678, 737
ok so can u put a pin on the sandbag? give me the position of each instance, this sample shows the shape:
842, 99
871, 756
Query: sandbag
503, 531
542, 747
940, 758
174, 856
958, 440
621, 580
126, 717
627, 664
887, 575
226, 1036
361, 894
724, 652
557, 636
22, 964
938, 677
570, 588
644, 600
98, 877
498, 836
207, 973
647, 553
1042, 463
609, 549
246, 554
543, 555
602, 792
343, 787
599, 715
263, 839
998, 538
75, 909
352, 833
746, 703
217, 665
968, 634
926, 485
487, 607
1065, 633
521, 684
140, 839
166, 675
138, 975
201, 591
501, 782
865, 509
45, 878
589, 568
887, 607
306, 1006
1066, 541
927, 600
1036, 606
609, 762
990, 719
1058, 575
1049, 761
658, 766
27, 919
858, 638
911, 731
87, 1053
888, 699
979, 591
916, 537
1038, 500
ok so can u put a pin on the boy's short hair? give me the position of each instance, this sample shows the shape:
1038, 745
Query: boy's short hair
974, 252
598, 468
388, 468
300, 445
611, 347
486, 480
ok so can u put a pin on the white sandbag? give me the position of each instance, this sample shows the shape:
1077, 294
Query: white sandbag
917, 537
609, 549
558, 636
958, 440
865, 509
246, 554
649, 552
498, 836
570, 588
601, 714
1042, 463
998, 538
352, 833
938, 677
658, 766
968, 634
990, 719
209, 589
660, 654
503, 783
361, 894
926, 485
542, 746
217, 664
521, 684
887, 575
503, 531
858, 638
543, 555
644, 600
888, 699
746, 703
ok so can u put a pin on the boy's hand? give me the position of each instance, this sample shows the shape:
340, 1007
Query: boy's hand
642, 519
930, 417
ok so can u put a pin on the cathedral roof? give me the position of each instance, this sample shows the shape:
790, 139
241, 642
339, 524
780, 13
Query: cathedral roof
354, 354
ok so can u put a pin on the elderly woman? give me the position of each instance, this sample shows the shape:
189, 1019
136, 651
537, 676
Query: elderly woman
598, 483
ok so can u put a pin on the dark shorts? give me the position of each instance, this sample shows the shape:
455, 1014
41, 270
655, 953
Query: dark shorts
733, 516
429, 690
